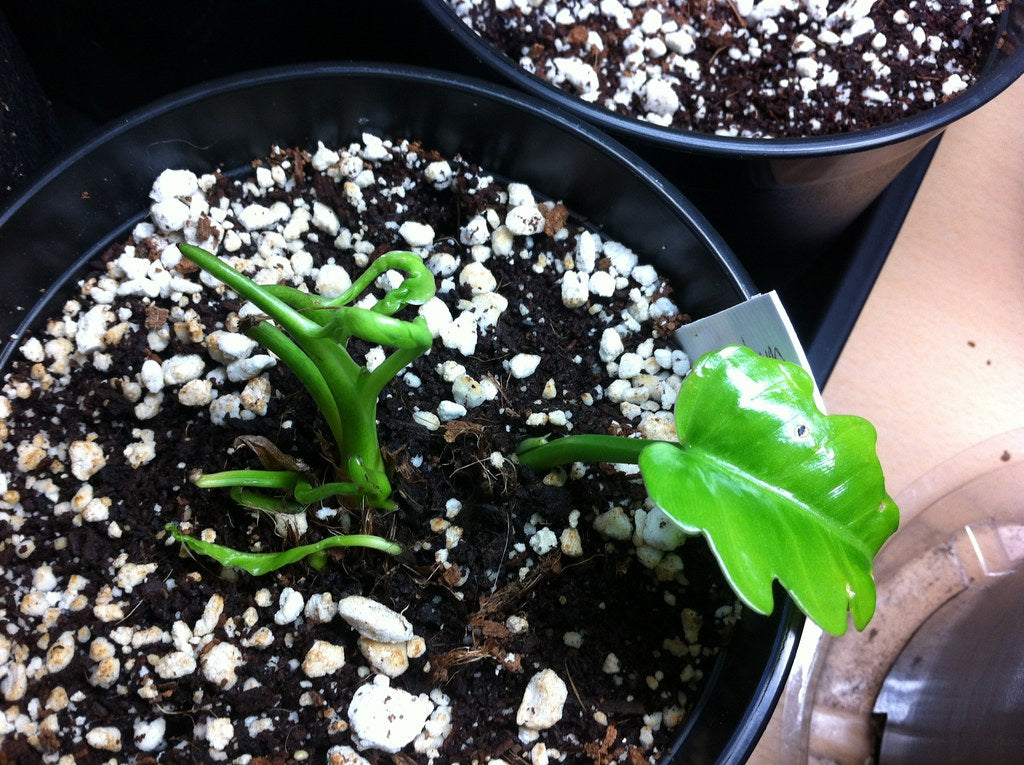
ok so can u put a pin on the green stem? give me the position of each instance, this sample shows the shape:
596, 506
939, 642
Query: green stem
283, 480
541, 454
342, 322
308, 495
373, 481
258, 564
357, 407
332, 377
307, 372
260, 501
376, 328
373, 384
258, 479
417, 288
312, 344
282, 313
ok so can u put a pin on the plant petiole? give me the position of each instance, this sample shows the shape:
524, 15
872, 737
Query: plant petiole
258, 564
541, 454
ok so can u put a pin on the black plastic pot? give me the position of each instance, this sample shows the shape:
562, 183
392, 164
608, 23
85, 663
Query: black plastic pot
776, 202
94, 196
28, 130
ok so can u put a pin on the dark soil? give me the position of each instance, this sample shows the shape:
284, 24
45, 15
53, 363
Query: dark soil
279, 714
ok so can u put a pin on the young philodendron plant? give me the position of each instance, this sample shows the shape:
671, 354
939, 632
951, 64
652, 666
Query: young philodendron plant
779, 489
309, 334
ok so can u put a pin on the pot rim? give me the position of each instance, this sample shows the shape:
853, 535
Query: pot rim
737, 735
991, 82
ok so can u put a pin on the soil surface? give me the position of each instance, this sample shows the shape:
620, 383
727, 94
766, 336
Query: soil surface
768, 68
119, 645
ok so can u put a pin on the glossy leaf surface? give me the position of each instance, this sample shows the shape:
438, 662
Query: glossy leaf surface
779, 489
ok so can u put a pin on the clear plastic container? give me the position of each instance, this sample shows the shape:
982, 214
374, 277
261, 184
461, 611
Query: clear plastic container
963, 527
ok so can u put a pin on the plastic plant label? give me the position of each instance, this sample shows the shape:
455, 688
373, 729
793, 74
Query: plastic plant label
760, 323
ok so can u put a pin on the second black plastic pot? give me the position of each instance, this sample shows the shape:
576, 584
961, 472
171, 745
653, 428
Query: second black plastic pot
778, 202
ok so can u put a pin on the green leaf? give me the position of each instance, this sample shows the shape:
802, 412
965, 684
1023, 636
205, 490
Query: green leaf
779, 489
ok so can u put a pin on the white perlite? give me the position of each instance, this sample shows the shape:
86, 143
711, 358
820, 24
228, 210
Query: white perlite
478, 278
87, 459
176, 664
614, 524
542, 702
416, 234
437, 728
611, 346
323, 659
171, 184
320, 608
525, 220
522, 365
439, 174
219, 664
149, 735
375, 620
661, 532
91, 328
291, 603
332, 280
575, 289
388, 659
219, 732
386, 718
106, 738
179, 370
345, 755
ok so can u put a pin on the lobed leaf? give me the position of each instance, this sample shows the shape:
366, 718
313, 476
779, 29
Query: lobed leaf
779, 489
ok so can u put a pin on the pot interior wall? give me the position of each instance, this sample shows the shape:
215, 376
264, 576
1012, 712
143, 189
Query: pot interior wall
94, 196
102, 184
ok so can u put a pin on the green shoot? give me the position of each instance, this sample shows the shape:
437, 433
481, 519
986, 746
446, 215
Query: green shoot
779, 489
309, 334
